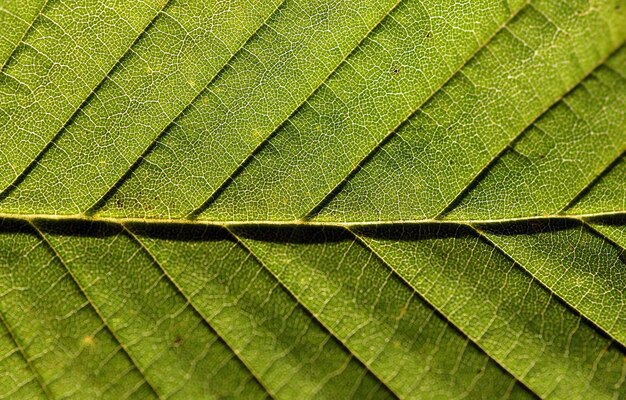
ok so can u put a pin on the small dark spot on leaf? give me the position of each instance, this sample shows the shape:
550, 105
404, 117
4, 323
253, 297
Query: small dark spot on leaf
429, 34
178, 341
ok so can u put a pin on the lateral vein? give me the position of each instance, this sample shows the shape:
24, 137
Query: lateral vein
152, 257
54, 251
315, 317
439, 312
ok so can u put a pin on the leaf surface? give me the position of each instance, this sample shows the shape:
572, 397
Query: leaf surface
313, 199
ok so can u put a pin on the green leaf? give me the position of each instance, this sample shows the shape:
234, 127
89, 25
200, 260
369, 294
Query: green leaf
313, 199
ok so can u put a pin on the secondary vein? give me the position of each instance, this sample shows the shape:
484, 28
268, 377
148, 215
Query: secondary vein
189, 301
54, 251
435, 309
315, 317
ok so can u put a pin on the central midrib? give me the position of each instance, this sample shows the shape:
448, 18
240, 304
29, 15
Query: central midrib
615, 215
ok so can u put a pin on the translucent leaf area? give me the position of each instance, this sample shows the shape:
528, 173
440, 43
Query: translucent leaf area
368, 199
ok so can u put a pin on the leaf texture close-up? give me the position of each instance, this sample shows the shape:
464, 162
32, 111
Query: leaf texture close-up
290, 199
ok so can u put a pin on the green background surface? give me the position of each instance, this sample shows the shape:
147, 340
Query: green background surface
312, 199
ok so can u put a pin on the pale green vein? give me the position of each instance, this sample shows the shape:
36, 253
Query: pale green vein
298, 222
450, 280
519, 379
584, 226
590, 227
393, 131
93, 306
581, 194
431, 158
19, 176
109, 192
317, 319
485, 168
24, 34
12, 14
329, 195
198, 210
37, 377
145, 249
